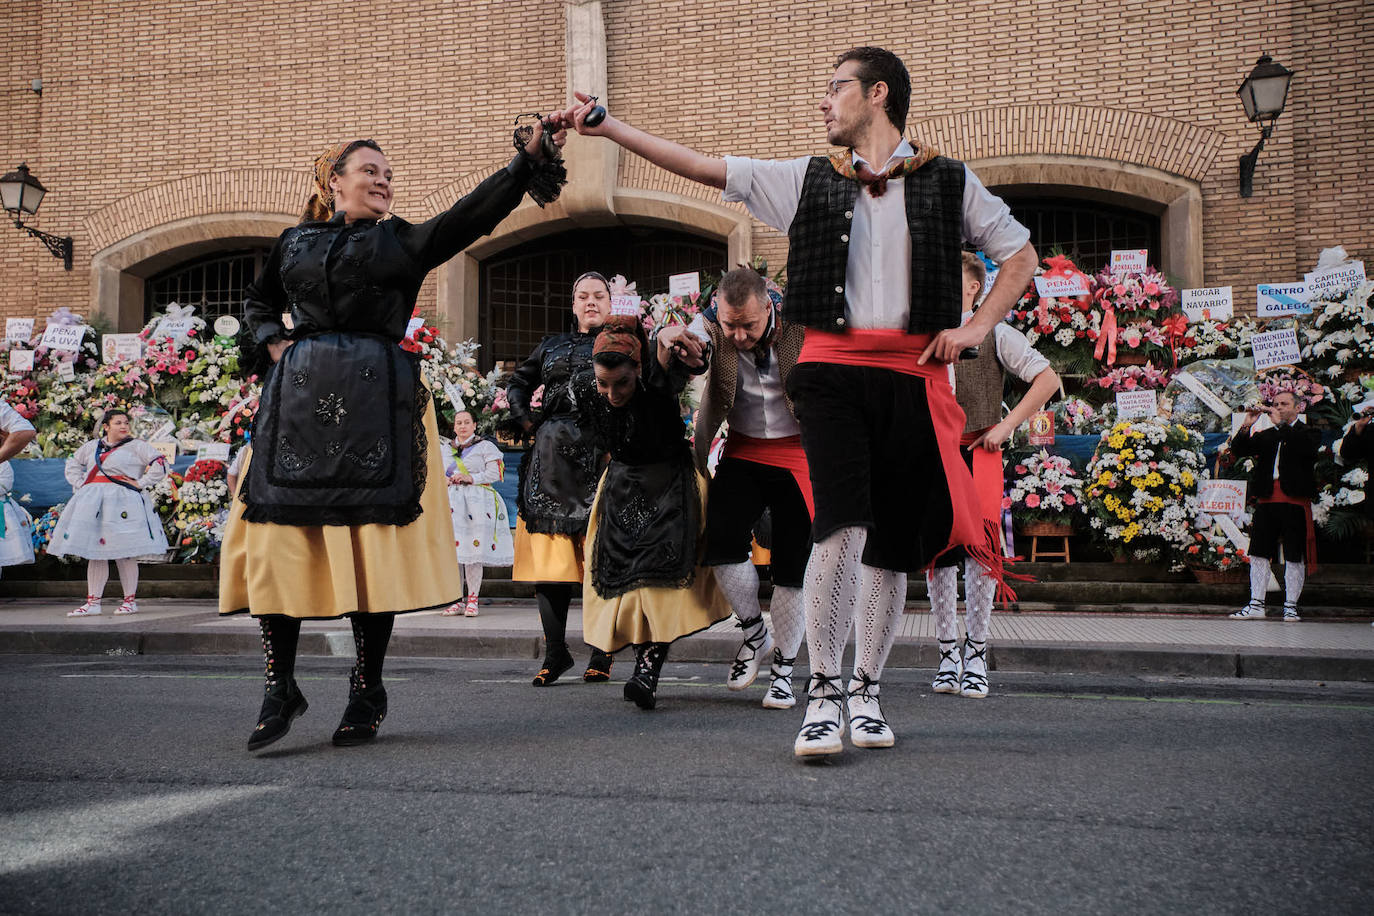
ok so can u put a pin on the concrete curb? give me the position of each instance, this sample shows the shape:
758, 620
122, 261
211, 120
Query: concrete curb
1057, 658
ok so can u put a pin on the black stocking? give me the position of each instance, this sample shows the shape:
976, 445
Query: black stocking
280, 635
554, 598
371, 633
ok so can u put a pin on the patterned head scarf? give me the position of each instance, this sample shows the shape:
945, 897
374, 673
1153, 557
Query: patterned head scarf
620, 334
324, 167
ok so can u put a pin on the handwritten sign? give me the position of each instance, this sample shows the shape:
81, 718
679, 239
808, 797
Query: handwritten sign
66, 371
1042, 428
65, 337
684, 284
163, 432
414, 325
212, 451
1133, 404
226, 325
1275, 300
1208, 303
178, 329
455, 397
1334, 279
1222, 497
18, 328
1276, 348
21, 360
625, 305
167, 447
120, 348
1204, 394
1131, 259
1056, 287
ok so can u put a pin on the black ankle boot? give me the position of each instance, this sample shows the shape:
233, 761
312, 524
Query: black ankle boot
282, 703
598, 668
557, 659
643, 684
362, 716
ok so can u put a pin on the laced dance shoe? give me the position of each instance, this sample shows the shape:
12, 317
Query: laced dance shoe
282, 704
779, 694
823, 727
758, 642
470, 609
90, 609
1252, 611
974, 681
362, 716
947, 677
867, 726
127, 606
1290, 613
557, 659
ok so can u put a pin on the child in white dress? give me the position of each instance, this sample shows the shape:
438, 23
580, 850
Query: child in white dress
16, 525
481, 524
110, 515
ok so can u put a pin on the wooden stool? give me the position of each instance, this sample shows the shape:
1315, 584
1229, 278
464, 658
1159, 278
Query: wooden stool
1038, 553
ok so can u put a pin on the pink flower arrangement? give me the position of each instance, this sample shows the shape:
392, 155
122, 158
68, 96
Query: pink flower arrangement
1132, 378
1305, 390
1044, 488
1135, 291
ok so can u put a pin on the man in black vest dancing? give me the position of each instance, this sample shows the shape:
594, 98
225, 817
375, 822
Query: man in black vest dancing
874, 274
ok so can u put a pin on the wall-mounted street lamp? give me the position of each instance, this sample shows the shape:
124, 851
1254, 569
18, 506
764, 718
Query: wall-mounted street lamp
21, 193
1263, 94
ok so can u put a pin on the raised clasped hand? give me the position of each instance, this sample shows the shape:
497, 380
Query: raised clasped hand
575, 116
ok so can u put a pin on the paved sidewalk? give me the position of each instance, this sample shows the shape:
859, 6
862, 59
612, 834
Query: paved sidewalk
509, 628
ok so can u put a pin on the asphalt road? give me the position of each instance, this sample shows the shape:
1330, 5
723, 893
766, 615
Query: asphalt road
124, 786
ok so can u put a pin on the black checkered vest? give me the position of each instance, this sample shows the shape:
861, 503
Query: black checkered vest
819, 252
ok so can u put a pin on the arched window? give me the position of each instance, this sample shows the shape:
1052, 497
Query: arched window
526, 292
1084, 229
213, 283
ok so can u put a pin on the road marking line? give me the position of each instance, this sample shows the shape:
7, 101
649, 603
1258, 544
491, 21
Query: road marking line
1192, 700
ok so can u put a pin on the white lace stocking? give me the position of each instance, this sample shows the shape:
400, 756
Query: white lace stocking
1259, 578
788, 619
472, 577
879, 620
740, 582
831, 593
980, 590
1294, 575
942, 583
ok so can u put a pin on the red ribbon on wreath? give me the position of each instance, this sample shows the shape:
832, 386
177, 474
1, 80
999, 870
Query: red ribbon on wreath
1175, 329
1106, 342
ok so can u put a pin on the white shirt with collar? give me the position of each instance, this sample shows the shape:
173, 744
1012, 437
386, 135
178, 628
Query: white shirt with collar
878, 272
760, 407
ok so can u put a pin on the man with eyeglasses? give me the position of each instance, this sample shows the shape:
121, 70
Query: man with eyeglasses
874, 273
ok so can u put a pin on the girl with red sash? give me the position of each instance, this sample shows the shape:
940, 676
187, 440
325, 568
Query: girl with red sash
110, 515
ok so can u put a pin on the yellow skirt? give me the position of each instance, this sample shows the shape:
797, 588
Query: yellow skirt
331, 570
650, 614
546, 557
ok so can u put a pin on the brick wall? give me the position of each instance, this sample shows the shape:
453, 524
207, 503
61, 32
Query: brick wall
227, 101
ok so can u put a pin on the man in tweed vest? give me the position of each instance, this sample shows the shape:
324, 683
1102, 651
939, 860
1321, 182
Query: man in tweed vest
873, 266
749, 355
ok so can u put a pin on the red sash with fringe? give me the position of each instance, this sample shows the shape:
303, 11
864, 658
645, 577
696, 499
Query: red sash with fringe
972, 529
785, 453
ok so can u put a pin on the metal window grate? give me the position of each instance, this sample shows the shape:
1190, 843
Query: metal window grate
214, 284
526, 293
1085, 230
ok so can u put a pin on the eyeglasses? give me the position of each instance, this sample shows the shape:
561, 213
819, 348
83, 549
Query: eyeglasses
832, 88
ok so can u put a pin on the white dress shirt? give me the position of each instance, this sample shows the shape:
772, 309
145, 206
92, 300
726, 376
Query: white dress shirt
760, 407
1015, 352
878, 272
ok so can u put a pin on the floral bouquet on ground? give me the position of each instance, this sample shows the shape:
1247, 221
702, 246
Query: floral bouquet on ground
1216, 340
1140, 484
1212, 551
1131, 378
1065, 328
1077, 417
1231, 382
42, 529
1130, 297
197, 502
1339, 509
1044, 488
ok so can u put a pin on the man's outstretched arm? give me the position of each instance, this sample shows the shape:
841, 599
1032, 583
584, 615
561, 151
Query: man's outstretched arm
666, 154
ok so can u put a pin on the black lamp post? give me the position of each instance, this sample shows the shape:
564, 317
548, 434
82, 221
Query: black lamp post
1263, 94
21, 193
